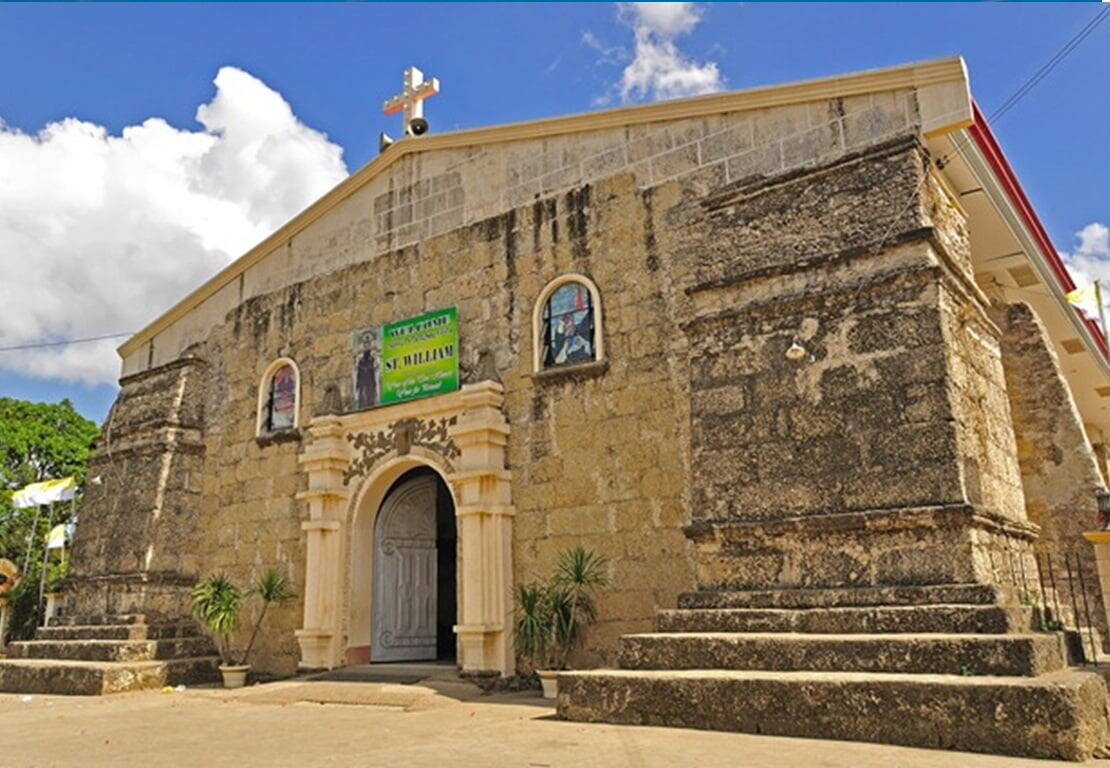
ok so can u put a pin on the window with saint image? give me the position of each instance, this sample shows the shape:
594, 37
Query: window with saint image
568, 326
282, 403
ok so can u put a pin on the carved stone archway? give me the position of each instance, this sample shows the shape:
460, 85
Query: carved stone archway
351, 461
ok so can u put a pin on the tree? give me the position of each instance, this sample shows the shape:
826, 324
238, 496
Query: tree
38, 441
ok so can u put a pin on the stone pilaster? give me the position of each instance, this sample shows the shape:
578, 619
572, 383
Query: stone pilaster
849, 422
324, 461
484, 513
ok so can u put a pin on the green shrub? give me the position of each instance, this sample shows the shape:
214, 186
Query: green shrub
552, 614
217, 602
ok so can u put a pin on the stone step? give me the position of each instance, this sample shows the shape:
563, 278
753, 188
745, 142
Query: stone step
95, 678
982, 619
111, 650
974, 594
948, 654
1054, 716
97, 619
117, 631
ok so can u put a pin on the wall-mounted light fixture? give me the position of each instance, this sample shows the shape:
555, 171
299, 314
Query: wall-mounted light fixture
795, 352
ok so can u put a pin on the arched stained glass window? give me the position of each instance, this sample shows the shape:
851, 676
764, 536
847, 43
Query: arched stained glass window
282, 402
568, 333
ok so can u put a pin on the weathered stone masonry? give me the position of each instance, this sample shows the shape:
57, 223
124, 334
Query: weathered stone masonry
1059, 472
861, 463
140, 526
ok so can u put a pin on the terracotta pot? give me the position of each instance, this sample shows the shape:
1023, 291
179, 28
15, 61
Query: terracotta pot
549, 679
235, 676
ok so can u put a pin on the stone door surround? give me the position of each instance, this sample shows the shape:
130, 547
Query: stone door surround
352, 460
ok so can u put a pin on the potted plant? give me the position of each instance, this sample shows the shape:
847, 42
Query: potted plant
216, 604
553, 614
533, 635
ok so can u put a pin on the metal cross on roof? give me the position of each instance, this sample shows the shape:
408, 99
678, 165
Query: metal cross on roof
411, 99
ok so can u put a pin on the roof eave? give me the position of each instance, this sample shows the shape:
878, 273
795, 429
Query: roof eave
980, 149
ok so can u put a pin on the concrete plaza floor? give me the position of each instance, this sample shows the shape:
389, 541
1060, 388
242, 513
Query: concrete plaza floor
439, 721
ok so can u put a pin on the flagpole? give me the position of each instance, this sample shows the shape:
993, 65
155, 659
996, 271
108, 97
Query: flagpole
31, 540
1101, 309
45, 556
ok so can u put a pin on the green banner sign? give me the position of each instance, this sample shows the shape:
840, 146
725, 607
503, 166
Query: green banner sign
420, 356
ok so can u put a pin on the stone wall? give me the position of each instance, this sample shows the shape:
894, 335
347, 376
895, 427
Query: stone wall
1059, 470
597, 457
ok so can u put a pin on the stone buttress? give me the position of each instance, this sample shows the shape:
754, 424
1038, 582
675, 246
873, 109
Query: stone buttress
127, 623
852, 501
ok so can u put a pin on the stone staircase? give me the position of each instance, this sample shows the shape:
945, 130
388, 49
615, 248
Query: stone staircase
955, 666
95, 655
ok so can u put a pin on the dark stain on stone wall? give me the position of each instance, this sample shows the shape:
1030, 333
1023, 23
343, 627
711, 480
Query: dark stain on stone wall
651, 247
290, 307
510, 244
577, 203
544, 212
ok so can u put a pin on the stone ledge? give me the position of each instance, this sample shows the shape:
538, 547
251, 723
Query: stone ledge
291, 435
1025, 655
826, 300
938, 617
845, 597
822, 261
96, 678
180, 362
572, 372
1053, 716
871, 520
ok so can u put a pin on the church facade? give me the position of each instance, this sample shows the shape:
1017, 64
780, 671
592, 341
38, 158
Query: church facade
804, 337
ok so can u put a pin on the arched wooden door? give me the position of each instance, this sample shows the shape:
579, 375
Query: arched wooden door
403, 620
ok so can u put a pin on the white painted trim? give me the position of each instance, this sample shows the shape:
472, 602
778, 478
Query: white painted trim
537, 317
264, 392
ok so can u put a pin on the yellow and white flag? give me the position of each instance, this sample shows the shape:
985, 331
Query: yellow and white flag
56, 538
46, 492
1085, 299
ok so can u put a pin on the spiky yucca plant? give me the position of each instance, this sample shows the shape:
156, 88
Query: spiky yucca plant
534, 623
552, 614
269, 587
577, 575
216, 602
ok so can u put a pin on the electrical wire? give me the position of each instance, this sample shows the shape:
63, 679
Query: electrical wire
1010, 102
42, 344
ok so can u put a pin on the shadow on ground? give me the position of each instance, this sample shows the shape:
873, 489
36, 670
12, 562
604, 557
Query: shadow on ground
403, 686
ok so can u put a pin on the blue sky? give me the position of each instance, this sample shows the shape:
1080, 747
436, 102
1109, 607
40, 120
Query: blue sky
116, 65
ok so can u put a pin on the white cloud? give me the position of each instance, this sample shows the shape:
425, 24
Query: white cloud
658, 69
663, 19
102, 233
1091, 259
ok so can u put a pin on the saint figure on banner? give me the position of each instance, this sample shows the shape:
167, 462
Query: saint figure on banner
365, 346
